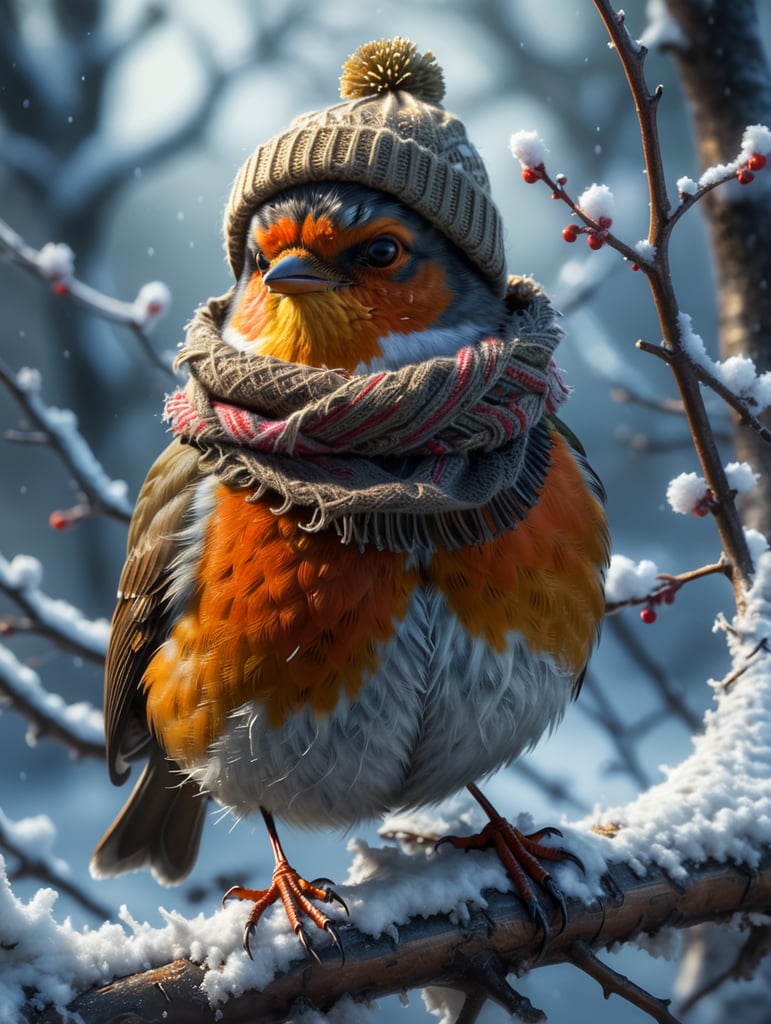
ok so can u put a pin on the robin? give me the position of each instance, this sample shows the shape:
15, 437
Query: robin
368, 569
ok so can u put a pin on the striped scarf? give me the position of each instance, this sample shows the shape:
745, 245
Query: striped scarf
443, 453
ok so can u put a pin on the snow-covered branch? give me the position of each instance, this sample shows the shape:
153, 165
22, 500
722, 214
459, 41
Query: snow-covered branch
55, 265
468, 950
594, 213
58, 428
58, 620
77, 726
30, 843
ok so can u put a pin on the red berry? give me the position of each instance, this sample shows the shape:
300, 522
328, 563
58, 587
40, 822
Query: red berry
704, 506
59, 288
58, 521
648, 616
605, 222
570, 233
744, 176
562, 179
530, 176
594, 240
153, 308
635, 266
669, 595
756, 162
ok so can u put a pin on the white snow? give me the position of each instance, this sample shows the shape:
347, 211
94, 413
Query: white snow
63, 425
628, 580
692, 342
756, 542
761, 390
741, 476
716, 803
756, 139
24, 575
529, 148
685, 492
152, 302
33, 838
56, 261
597, 201
23, 572
687, 186
662, 29
21, 681
738, 373
645, 249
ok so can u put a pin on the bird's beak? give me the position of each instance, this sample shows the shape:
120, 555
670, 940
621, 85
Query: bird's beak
296, 275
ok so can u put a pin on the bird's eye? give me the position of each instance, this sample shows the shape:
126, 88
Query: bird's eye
262, 262
383, 251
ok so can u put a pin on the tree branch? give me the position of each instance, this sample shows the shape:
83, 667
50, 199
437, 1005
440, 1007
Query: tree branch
435, 950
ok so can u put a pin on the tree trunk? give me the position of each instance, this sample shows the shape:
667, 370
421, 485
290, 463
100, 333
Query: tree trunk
727, 83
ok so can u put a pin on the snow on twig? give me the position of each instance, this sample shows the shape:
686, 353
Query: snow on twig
59, 428
54, 263
78, 726
30, 842
20, 580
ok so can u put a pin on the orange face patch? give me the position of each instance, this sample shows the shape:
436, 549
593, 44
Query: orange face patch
342, 327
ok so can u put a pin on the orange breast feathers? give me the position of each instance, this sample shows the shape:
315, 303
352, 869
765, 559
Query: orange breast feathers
284, 617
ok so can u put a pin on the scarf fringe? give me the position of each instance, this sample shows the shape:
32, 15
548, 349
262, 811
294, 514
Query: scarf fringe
440, 454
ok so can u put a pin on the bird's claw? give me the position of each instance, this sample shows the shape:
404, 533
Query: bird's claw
521, 855
330, 895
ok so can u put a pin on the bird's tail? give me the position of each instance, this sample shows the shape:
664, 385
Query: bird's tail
159, 827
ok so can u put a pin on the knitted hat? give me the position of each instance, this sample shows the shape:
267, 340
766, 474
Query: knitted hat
391, 134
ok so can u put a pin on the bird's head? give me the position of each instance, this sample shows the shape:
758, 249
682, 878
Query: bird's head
344, 276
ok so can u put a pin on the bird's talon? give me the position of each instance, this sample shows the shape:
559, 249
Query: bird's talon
249, 928
228, 895
559, 898
305, 942
336, 941
332, 897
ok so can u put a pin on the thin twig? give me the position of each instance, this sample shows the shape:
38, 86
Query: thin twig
45, 870
139, 316
703, 375
657, 270
79, 728
670, 584
99, 494
614, 983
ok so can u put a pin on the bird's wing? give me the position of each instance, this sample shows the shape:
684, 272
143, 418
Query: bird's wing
144, 609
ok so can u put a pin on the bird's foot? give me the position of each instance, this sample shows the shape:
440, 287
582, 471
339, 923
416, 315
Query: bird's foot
296, 894
521, 856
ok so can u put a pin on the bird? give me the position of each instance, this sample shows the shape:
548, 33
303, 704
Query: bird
324, 675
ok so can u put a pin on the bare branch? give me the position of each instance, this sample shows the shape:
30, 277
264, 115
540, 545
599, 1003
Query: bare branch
614, 983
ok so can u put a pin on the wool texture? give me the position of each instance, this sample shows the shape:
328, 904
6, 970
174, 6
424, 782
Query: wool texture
391, 134
441, 453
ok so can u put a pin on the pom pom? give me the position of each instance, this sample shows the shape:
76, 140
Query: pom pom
388, 65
